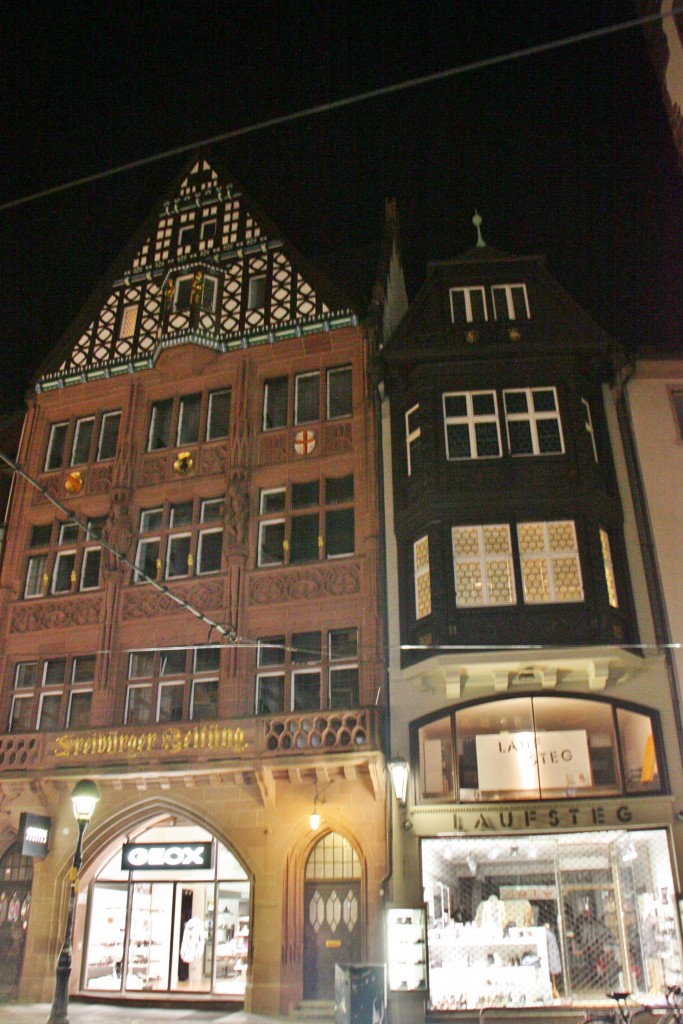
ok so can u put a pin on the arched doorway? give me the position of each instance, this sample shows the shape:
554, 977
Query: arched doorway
168, 913
16, 877
332, 913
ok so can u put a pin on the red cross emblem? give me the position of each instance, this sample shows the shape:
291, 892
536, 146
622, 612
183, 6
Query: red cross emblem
304, 442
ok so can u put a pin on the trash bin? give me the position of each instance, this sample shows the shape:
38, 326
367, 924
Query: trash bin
360, 993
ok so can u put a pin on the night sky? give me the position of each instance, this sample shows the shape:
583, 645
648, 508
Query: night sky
568, 153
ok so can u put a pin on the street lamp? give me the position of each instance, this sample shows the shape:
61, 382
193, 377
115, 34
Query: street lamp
84, 797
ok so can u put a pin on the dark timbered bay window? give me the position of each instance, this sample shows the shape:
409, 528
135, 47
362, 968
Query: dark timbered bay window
180, 539
301, 673
303, 522
52, 693
172, 685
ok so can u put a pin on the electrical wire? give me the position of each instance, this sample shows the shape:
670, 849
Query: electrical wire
348, 101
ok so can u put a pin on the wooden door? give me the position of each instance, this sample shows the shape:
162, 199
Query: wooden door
332, 933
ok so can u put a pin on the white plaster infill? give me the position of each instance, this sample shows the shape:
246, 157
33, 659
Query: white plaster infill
452, 673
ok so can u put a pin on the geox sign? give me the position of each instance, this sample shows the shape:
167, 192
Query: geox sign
166, 856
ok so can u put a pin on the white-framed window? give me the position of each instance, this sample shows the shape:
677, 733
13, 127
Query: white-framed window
129, 319
275, 400
178, 555
36, 576
209, 548
270, 676
610, 581
306, 522
271, 539
306, 689
64, 572
138, 709
339, 392
204, 700
256, 298
588, 424
185, 236
80, 451
55, 446
208, 232
59, 688
197, 288
170, 701
413, 434
510, 302
471, 425
468, 305
189, 412
90, 568
307, 397
422, 578
343, 676
218, 415
159, 435
549, 556
109, 436
532, 419
482, 566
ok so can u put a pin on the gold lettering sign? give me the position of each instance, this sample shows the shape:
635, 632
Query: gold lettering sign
107, 743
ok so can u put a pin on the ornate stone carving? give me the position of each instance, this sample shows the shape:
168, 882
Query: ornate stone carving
118, 532
143, 602
304, 584
51, 485
60, 614
338, 437
213, 460
236, 517
273, 448
153, 469
98, 479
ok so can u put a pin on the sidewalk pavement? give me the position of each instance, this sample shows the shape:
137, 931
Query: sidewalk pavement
103, 1013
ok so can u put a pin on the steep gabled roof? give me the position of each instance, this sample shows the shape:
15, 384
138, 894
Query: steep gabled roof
209, 232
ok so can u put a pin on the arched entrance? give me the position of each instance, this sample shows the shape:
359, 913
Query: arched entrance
16, 877
332, 913
168, 913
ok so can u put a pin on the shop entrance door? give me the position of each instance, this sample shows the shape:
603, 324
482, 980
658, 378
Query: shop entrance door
332, 934
593, 939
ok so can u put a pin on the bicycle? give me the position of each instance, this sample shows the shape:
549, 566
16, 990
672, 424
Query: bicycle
624, 1014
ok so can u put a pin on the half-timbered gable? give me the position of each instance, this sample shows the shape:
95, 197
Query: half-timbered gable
211, 270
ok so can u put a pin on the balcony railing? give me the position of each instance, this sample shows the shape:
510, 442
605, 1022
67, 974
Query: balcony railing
193, 743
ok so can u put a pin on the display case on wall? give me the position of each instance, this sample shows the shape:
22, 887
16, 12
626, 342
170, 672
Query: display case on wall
407, 949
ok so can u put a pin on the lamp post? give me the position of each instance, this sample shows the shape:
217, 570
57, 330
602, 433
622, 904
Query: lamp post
84, 797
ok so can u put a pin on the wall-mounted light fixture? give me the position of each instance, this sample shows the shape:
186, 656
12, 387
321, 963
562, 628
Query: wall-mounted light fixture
398, 769
314, 818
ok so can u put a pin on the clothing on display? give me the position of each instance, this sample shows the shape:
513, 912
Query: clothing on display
192, 945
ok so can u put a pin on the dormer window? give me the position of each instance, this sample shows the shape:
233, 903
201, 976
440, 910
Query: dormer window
510, 302
468, 305
257, 293
195, 289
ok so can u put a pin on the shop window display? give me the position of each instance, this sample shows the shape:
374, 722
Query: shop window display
530, 748
543, 920
163, 930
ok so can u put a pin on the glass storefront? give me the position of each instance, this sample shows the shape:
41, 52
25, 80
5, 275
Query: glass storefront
169, 927
549, 919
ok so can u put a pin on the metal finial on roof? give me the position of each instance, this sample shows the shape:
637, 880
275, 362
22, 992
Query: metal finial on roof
477, 221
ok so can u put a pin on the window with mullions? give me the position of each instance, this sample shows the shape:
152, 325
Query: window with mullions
533, 421
74, 565
482, 564
471, 425
195, 289
189, 419
413, 434
529, 748
172, 685
57, 691
468, 305
309, 404
306, 521
290, 672
89, 438
510, 302
551, 571
182, 539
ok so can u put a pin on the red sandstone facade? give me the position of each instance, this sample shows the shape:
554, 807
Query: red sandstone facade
204, 638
